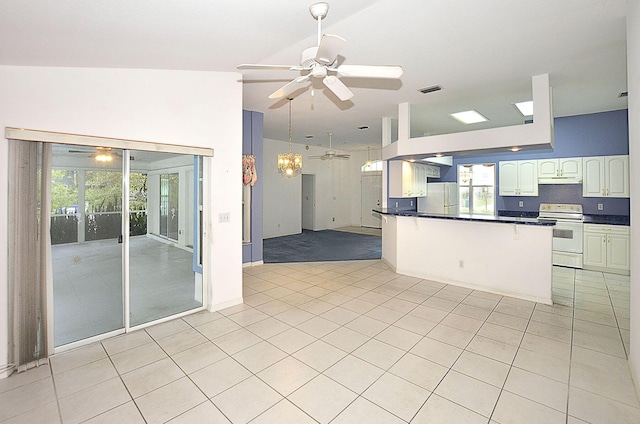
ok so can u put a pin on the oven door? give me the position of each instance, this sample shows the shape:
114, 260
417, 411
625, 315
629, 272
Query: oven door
567, 237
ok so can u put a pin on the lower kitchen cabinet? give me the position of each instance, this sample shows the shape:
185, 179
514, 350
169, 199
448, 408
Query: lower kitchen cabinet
606, 248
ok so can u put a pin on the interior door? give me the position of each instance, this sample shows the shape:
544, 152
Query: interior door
371, 193
308, 201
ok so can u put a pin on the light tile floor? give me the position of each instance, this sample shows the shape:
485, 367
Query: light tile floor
353, 342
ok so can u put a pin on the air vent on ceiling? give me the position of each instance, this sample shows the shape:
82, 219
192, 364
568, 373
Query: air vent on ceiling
430, 89
623, 94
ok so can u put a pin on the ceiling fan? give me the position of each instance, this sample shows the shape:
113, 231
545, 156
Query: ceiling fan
321, 62
100, 154
331, 154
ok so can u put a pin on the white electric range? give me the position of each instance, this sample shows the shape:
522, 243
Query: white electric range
567, 233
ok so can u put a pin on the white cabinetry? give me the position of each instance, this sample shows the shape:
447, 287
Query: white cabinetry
518, 178
564, 167
409, 179
606, 176
606, 248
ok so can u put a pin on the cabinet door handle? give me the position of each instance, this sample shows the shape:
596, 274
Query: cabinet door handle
607, 192
609, 238
603, 192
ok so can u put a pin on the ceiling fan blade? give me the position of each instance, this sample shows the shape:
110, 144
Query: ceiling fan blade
289, 88
266, 67
338, 88
369, 71
330, 46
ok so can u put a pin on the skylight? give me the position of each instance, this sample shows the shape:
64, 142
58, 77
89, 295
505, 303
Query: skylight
525, 108
469, 117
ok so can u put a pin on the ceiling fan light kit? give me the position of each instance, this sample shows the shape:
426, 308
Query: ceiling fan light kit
321, 62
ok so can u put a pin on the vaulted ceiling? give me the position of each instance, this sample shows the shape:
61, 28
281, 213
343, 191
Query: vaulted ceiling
482, 52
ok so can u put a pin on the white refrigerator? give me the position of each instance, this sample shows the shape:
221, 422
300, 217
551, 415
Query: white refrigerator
441, 198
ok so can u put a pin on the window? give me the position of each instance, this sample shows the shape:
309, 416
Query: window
376, 165
477, 188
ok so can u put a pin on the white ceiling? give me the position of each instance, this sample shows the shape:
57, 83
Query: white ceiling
482, 52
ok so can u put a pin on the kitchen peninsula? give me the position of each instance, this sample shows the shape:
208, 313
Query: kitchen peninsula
509, 256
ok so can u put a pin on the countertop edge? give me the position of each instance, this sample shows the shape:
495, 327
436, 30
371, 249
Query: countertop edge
465, 217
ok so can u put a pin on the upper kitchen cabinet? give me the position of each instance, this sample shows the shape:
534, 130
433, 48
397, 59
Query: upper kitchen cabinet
409, 179
564, 167
606, 176
518, 178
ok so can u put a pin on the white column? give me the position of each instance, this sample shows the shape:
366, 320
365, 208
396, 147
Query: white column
404, 121
633, 85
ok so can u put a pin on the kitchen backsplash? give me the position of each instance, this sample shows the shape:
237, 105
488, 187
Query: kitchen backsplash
566, 193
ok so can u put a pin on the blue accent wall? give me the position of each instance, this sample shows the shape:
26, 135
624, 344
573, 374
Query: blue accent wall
252, 144
597, 134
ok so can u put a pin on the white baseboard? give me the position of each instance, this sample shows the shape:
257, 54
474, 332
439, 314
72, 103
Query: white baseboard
250, 264
224, 305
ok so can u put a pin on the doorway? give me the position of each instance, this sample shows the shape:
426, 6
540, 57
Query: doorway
371, 192
308, 201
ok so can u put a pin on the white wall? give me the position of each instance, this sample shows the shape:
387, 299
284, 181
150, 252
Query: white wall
282, 204
337, 178
200, 109
633, 77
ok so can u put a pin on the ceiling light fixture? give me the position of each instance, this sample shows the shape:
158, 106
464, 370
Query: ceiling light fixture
469, 117
289, 164
368, 162
103, 157
515, 149
525, 108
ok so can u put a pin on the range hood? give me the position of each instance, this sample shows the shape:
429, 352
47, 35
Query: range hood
560, 180
439, 160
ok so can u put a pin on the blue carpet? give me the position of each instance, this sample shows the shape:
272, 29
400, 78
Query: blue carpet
320, 246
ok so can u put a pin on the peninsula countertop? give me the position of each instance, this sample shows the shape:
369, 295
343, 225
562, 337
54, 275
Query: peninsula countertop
467, 217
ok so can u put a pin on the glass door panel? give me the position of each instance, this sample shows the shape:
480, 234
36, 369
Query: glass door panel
86, 221
162, 281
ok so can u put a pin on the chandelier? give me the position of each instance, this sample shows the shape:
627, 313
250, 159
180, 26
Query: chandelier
289, 164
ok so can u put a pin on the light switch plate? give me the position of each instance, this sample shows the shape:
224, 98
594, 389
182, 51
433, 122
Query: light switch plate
224, 217
600, 206
521, 204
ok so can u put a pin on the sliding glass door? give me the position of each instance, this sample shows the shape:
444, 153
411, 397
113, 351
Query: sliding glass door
162, 281
123, 233
86, 222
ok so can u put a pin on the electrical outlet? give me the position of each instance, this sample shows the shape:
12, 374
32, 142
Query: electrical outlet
520, 204
412, 203
224, 217
396, 204
333, 219
600, 206
461, 263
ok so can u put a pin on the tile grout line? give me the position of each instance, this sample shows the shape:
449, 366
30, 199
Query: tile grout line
524, 333
573, 319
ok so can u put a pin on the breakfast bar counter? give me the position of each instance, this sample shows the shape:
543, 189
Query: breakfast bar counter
509, 256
